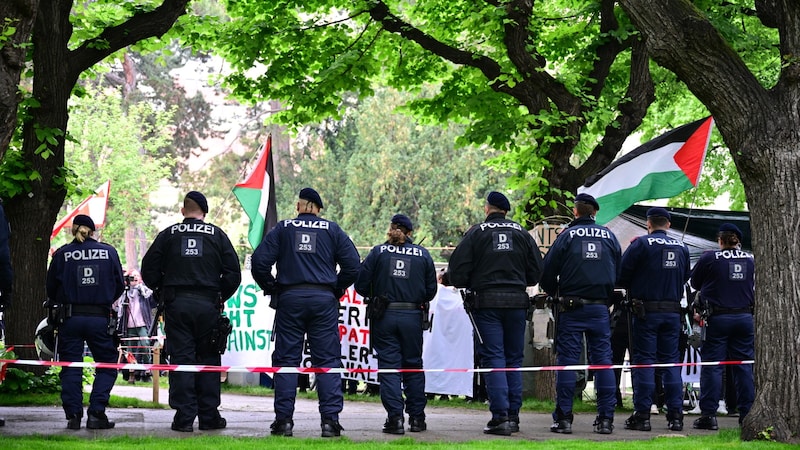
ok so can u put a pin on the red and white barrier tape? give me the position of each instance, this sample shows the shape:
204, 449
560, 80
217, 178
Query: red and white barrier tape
272, 370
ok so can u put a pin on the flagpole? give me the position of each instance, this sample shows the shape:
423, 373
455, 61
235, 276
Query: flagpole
689, 215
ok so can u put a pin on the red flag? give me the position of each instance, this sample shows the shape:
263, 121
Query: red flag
94, 207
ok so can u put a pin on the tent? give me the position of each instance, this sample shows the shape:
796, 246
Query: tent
697, 228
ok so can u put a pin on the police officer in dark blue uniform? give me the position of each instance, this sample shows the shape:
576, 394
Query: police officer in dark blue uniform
402, 275
655, 268
6, 273
496, 261
193, 267
305, 293
85, 276
725, 279
580, 272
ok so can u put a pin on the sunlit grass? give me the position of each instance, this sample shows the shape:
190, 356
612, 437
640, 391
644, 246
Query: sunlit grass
726, 439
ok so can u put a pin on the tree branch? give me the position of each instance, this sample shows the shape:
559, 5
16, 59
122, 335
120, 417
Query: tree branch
139, 27
680, 38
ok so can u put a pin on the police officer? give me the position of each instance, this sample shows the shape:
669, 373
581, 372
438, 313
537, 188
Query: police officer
194, 268
403, 275
580, 272
725, 279
655, 268
496, 261
305, 293
85, 276
6, 273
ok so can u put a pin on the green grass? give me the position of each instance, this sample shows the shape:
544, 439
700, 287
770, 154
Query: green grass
726, 439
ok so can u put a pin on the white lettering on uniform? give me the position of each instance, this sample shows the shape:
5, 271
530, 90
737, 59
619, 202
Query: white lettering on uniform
491, 225
590, 232
86, 254
731, 254
192, 228
662, 241
319, 225
413, 251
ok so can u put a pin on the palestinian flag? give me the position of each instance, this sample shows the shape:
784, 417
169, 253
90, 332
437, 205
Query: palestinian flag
661, 168
257, 196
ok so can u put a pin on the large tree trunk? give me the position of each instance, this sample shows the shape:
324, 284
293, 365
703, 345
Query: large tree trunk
20, 14
56, 71
32, 216
772, 193
762, 129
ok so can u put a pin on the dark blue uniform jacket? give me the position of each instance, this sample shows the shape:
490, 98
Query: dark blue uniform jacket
306, 250
725, 278
495, 254
584, 261
655, 267
192, 255
403, 273
85, 273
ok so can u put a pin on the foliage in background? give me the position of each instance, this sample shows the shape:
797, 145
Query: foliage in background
117, 142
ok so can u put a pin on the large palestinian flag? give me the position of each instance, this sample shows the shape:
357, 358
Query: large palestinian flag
660, 168
257, 196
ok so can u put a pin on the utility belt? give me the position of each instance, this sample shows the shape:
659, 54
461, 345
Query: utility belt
312, 286
571, 303
86, 310
193, 292
404, 306
500, 299
660, 306
715, 310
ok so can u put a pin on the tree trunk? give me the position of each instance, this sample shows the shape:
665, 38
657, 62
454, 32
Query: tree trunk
774, 220
19, 14
32, 215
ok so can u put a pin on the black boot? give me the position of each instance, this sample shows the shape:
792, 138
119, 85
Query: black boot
331, 428
97, 420
706, 423
500, 427
603, 425
675, 420
282, 427
394, 425
563, 423
514, 423
639, 421
417, 424
74, 422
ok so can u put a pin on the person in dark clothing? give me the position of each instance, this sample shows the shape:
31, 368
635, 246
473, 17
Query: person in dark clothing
401, 274
496, 261
85, 278
580, 273
655, 268
725, 279
305, 293
193, 268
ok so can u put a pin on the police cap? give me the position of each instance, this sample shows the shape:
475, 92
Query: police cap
83, 219
200, 199
658, 212
731, 228
586, 198
498, 200
403, 221
312, 196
